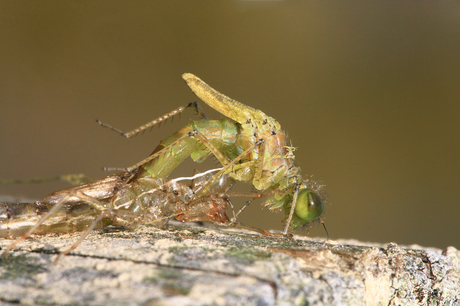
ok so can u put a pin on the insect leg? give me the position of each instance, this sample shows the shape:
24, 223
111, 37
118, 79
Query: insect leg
249, 195
34, 228
293, 204
73, 179
156, 121
259, 164
215, 177
82, 237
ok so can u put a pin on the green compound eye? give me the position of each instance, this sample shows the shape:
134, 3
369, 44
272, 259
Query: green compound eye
309, 205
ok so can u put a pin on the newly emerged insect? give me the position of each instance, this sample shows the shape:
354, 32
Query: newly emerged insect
251, 147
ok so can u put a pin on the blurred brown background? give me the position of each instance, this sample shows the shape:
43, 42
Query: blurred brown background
368, 91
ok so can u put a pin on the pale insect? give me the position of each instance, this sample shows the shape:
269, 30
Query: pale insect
251, 147
119, 200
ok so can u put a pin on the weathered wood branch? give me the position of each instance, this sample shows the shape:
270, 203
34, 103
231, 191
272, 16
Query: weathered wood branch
189, 265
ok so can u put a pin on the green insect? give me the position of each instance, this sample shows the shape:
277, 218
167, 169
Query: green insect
250, 146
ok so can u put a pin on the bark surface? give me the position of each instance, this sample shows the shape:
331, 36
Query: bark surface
191, 265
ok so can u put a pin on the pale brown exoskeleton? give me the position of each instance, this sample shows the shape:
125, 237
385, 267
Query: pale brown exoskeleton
119, 200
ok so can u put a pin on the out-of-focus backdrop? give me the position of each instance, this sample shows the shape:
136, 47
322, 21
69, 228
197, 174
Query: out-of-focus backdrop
368, 91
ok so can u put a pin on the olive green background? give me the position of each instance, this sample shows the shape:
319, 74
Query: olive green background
368, 92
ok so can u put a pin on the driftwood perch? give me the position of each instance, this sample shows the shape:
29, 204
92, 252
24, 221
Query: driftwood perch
190, 265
